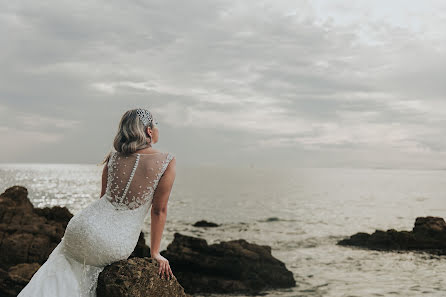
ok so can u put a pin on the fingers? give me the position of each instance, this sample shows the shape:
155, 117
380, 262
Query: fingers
162, 268
170, 273
165, 271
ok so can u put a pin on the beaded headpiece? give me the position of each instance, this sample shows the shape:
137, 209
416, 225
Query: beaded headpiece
145, 116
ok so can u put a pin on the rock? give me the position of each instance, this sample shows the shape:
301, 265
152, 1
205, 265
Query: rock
55, 213
28, 235
17, 197
24, 270
141, 248
272, 219
13, 280
431, 226
235, 266
204, 223
136, 277
428, 235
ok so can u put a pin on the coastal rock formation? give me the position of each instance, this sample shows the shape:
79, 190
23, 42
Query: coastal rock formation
136, 277
204, 223
28, 235
235, 266
141, 249
428, 235
15, 278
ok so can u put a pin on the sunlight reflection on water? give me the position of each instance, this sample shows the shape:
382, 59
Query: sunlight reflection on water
300, 213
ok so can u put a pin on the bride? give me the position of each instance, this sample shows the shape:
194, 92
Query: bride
135, 178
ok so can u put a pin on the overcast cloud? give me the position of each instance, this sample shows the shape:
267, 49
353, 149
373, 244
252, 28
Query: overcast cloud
249, 83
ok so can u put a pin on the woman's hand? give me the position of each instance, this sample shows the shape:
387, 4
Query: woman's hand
164, 269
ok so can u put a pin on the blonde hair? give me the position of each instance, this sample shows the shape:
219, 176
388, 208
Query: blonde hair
131, 135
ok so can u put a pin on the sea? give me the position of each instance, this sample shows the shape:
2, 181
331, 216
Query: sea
301, 213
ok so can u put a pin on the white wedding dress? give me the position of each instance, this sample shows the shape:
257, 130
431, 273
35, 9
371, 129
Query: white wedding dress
104, 232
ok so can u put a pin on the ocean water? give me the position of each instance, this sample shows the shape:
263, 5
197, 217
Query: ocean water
301, 213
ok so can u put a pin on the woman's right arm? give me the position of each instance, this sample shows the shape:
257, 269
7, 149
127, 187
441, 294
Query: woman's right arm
159, 213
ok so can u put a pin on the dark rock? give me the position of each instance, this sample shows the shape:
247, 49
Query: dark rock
235, 266
204, 223
431, 226
16, 196
136, 277
55, 213
24, 270
428, 235
26, 236
13, 280
141, 248
272, 219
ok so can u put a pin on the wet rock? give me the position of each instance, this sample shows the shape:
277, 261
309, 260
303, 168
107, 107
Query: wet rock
136, 277
204, 223
428, 235
235, 266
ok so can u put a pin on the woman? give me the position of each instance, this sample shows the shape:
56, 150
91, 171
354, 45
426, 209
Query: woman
135, 178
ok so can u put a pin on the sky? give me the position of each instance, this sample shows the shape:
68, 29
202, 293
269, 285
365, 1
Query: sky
232, 83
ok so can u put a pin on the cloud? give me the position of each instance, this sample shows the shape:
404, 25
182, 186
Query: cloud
293, 75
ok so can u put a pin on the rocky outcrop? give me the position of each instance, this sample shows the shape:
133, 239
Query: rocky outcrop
235, 266
428, 235
136, 277
28, 235
141, 249
204, 223
15, 278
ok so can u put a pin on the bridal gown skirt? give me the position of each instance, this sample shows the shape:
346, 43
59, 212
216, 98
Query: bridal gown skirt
94, 238
62, 276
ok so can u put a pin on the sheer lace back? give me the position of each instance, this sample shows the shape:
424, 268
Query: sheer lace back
133, 178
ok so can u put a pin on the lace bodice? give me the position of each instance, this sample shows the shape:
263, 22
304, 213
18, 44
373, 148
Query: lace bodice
132, 179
